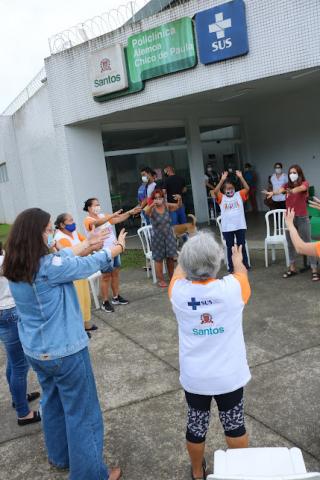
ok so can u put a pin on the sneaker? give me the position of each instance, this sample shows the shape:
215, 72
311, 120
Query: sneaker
107, 307
119, 300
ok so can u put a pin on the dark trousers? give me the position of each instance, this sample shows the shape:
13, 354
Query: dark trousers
241, 240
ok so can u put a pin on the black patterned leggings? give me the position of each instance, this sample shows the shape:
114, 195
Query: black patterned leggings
231, 414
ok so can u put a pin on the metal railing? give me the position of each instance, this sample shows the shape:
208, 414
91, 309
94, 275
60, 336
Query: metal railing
32, 87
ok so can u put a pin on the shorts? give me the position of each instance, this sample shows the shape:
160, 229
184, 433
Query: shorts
115, 263
231, 414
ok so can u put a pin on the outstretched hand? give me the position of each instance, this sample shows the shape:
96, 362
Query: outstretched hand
289, 217
224, 176
315, 203
239, 174
122, 238
237, 257
96, 238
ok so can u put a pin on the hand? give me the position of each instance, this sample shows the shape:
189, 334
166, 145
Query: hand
122, 238
135, 210
239, 174
289, 217
268, 194
289, 191
237, 257
177, 197
224, 176
96, 238
316, 200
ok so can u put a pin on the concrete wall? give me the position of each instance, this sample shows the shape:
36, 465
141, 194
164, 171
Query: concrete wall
284, 36
287, 130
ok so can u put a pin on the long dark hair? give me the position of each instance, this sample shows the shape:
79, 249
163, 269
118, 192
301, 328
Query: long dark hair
301, 178
25, 245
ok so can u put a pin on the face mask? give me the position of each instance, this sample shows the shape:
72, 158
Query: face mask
230, 170
71, 227
144, 179
50, 240
97, 209
229, 193
293, 177
278, 170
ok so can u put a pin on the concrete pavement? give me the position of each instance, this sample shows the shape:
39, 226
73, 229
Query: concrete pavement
134, 354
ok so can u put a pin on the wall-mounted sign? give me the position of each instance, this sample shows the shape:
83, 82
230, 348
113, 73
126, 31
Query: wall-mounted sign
108, 71
162, 50
222, 32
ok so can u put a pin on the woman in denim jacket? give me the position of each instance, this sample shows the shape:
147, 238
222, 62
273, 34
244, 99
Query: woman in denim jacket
55, 342
17, 365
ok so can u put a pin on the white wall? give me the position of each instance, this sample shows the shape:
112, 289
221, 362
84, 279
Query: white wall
286, 130
88, 168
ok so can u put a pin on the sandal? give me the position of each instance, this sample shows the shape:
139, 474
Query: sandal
204, 468
315, 277
30, 398
26, 421
93, 327
162, 284
289, 273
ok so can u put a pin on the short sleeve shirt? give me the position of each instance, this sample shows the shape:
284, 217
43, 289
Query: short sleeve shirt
298, 201
174, 186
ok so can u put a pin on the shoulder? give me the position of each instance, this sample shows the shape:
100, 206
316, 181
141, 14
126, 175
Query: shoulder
176, 283
81, 237
87, 222
243, 281
318, 248
243, 194
219, 197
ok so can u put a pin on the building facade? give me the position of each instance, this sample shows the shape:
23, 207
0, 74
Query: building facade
259, 106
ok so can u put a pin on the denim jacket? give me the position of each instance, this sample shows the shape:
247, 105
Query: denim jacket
51, 324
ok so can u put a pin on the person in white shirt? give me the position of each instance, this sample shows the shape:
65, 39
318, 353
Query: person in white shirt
278, 180
17, 365
233, 220
212, 352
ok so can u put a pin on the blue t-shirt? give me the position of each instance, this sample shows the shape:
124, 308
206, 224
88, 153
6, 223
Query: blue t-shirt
142, 192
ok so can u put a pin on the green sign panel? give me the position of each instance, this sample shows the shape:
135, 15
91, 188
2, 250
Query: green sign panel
156, 52
165, 49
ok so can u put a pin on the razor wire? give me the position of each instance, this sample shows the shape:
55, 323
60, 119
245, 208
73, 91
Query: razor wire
125, 14
32, 87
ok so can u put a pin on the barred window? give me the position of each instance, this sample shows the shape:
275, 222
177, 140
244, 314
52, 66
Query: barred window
3, 173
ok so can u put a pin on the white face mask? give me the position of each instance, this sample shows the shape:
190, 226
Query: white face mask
97, 209
144, 179
293, 177
278, 170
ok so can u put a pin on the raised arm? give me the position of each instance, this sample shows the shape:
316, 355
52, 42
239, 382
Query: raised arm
122, 217
223, 178
243, 181
301, 247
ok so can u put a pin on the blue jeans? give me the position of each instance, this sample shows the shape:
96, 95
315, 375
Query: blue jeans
178, 217
71, 416
17, 365
241, 240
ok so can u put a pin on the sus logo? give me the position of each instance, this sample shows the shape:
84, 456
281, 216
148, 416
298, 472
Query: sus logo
206, 318
105, 65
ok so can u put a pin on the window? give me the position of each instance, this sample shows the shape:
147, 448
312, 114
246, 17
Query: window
3, 173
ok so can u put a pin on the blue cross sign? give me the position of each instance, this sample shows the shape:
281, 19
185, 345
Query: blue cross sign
222, 32
194, 304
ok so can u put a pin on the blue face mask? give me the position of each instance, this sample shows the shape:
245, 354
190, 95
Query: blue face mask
50, 240
71, 228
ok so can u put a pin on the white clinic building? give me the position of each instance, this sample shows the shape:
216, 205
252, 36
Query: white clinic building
72, 139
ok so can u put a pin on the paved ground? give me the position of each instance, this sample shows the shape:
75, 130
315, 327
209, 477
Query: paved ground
134, 354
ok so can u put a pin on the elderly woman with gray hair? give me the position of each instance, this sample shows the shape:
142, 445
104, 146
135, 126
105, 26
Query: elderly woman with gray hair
212, 351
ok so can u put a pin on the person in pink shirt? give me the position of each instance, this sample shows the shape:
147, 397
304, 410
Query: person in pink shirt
297, 195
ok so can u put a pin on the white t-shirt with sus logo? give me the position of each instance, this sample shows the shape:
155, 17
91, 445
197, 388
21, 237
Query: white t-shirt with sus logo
212, 351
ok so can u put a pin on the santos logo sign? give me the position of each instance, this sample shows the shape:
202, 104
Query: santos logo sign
108, 71
222, 32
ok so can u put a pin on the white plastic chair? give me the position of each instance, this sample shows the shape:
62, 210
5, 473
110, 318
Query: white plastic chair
218, 220
276, 236
260, 464
94, 282
145, 238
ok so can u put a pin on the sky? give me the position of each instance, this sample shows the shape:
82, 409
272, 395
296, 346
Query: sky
26, 25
